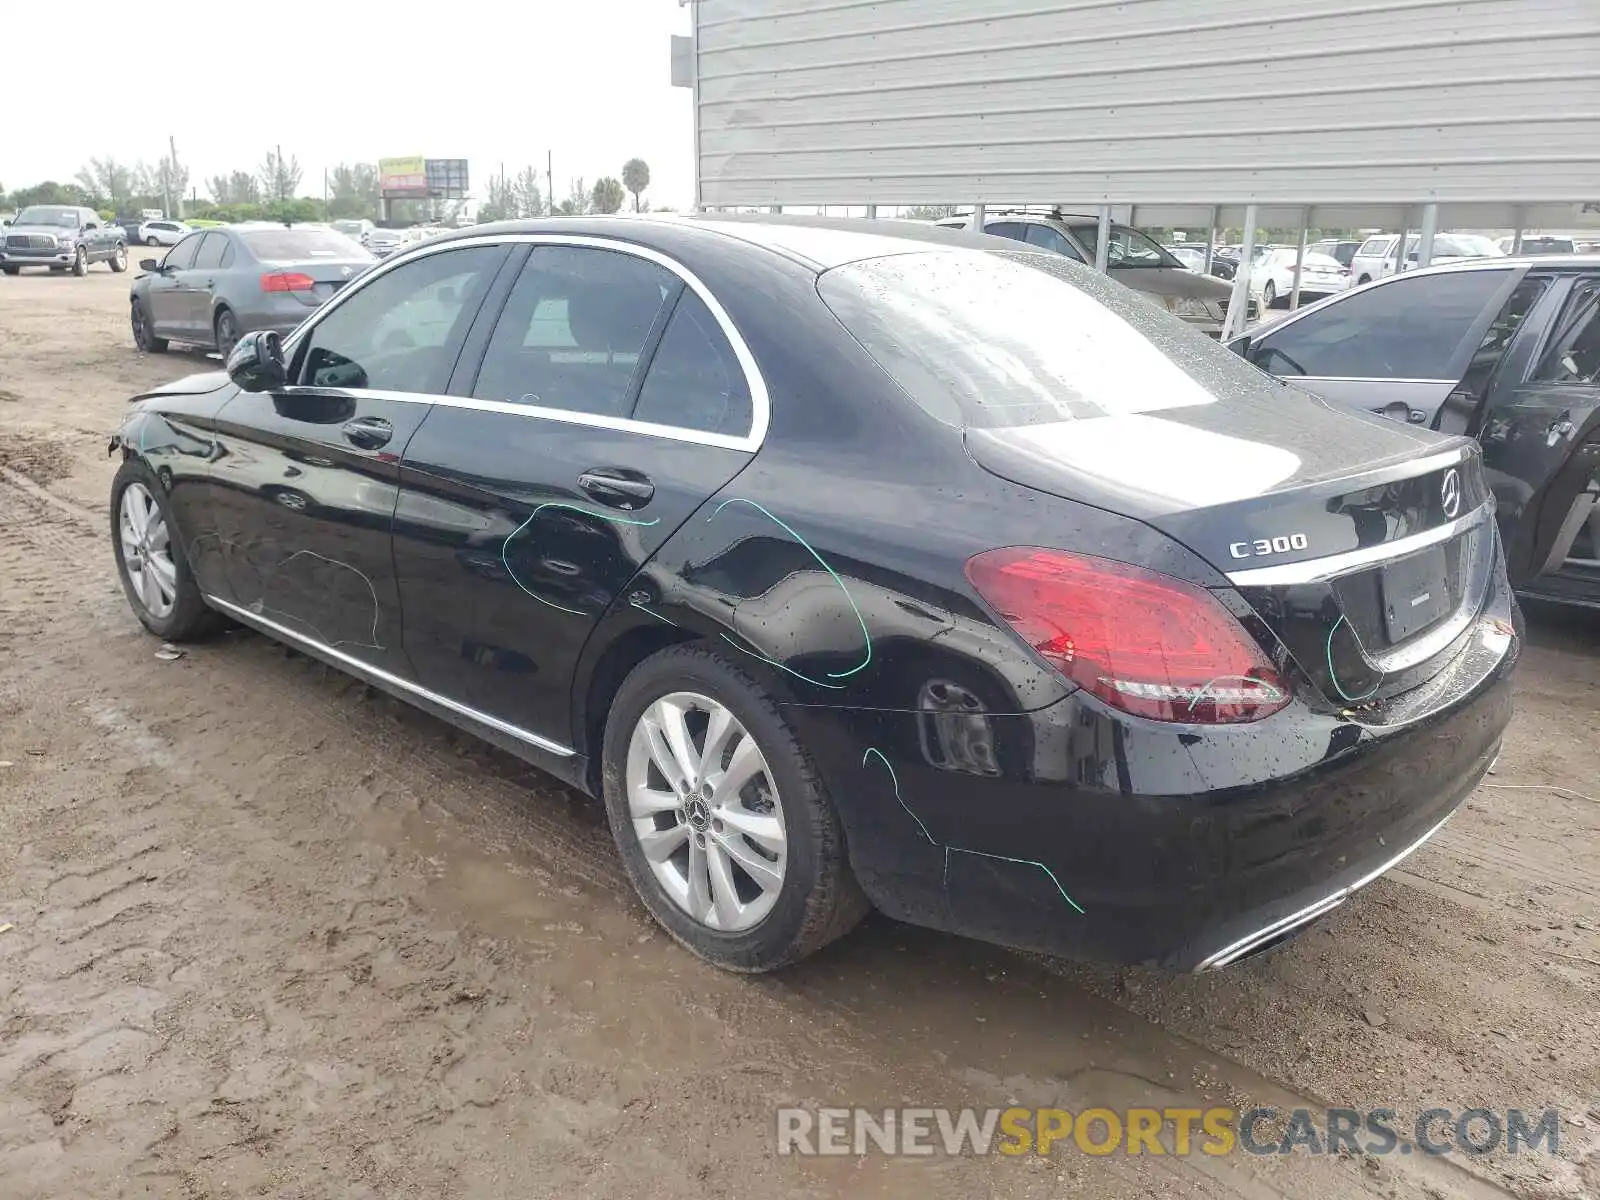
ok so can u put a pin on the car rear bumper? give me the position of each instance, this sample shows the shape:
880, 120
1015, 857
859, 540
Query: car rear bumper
1077, 831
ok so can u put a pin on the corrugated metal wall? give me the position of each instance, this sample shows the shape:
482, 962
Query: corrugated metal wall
1174, 102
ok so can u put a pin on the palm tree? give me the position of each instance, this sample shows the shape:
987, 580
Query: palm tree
636, 177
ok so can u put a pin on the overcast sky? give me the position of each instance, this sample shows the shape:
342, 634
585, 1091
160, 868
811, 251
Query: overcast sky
334, 80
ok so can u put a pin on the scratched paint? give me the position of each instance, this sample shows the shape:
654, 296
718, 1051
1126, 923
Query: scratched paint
894, 780
832, 574
647, 611
505, 550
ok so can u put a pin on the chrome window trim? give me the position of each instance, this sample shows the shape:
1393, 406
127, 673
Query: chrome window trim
760, 400
364, 669
1362, 379
1311, 912
1320, 570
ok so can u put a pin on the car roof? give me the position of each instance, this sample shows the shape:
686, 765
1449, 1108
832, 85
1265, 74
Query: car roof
819, 243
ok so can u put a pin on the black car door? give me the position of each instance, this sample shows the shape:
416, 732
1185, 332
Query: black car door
530, 500
1540, 431
305, 476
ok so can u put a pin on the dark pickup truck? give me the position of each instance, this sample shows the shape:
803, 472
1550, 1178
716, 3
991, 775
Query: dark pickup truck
1504, 349
62, 237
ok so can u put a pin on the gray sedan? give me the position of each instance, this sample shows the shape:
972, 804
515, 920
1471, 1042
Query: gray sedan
218, 284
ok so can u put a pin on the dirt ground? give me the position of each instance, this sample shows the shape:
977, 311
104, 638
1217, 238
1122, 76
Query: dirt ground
268, 934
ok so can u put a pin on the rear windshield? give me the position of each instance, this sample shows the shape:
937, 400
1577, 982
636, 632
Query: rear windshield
294, 245
1003, 338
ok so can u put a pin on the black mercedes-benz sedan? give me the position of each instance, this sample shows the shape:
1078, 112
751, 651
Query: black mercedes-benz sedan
856, 564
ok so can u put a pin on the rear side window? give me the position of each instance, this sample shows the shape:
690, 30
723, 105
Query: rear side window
210, 253
1047, 238
1375, 247
989, 339
1411, 328
574, 330
1005, 229
694, 380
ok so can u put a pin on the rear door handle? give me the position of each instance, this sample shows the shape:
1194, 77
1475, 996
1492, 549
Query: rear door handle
369, 433
617, 488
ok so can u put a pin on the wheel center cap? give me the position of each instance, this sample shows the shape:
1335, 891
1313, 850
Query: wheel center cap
698, 812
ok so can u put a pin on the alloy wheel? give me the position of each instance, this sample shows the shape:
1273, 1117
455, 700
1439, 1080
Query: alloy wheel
705, 811
227, 333
147, 551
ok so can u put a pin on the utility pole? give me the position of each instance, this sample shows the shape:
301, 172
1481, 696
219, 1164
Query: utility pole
277, 171
170, 180
324, 193
550, 179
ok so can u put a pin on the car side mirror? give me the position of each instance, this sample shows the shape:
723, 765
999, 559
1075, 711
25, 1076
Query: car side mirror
256, 362
150, 264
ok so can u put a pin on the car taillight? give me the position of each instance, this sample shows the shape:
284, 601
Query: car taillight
1147, 643
287, 281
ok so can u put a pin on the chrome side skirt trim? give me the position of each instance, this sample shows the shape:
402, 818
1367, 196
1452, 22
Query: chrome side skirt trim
1310, 912
1319, 570
377, 675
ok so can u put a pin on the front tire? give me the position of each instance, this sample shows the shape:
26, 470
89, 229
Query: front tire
1269, 296
144, 335
721, 818
152, 241
11, 270
150, 560
119, 259
80, 262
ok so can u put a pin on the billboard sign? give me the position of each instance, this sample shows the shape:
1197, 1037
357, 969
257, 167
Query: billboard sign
403, 177
446, 178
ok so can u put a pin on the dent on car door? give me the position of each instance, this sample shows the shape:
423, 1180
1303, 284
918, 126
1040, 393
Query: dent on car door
307, 476
1541, 437
1398, 349
529, 505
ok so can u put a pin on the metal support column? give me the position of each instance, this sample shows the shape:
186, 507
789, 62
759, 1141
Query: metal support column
1400, 243
1211, 241
1239, 304
1102, 241
1300, 259
1516, 234
872, 212
975, 222
1430, 227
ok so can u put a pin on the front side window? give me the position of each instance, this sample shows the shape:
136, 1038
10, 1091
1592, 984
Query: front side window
574, 330
1005, 229
1412, 328
181, 256
1574, 357
694, 380
1376, 247
401, 331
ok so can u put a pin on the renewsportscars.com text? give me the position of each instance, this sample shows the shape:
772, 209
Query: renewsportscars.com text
1178, 1131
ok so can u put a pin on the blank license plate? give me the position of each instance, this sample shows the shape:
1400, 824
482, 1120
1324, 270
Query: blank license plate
1415, 593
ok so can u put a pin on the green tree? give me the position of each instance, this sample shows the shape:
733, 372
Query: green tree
108, 181
577, 202
500, 203
279, 175
929, 212
607, 196
525, 196
635, 177
49, 192
353, 191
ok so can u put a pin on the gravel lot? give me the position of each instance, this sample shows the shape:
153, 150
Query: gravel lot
272, 935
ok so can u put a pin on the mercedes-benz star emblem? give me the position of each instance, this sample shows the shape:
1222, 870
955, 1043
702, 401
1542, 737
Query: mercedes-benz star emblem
1450, 492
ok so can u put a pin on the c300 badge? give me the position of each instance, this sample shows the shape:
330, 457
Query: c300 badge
1272, 545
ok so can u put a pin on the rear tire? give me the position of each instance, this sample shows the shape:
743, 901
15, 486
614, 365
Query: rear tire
80, 262
1269, 296
119, 260
152, 241
814, 900
11, 270
151, 563
225, 328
